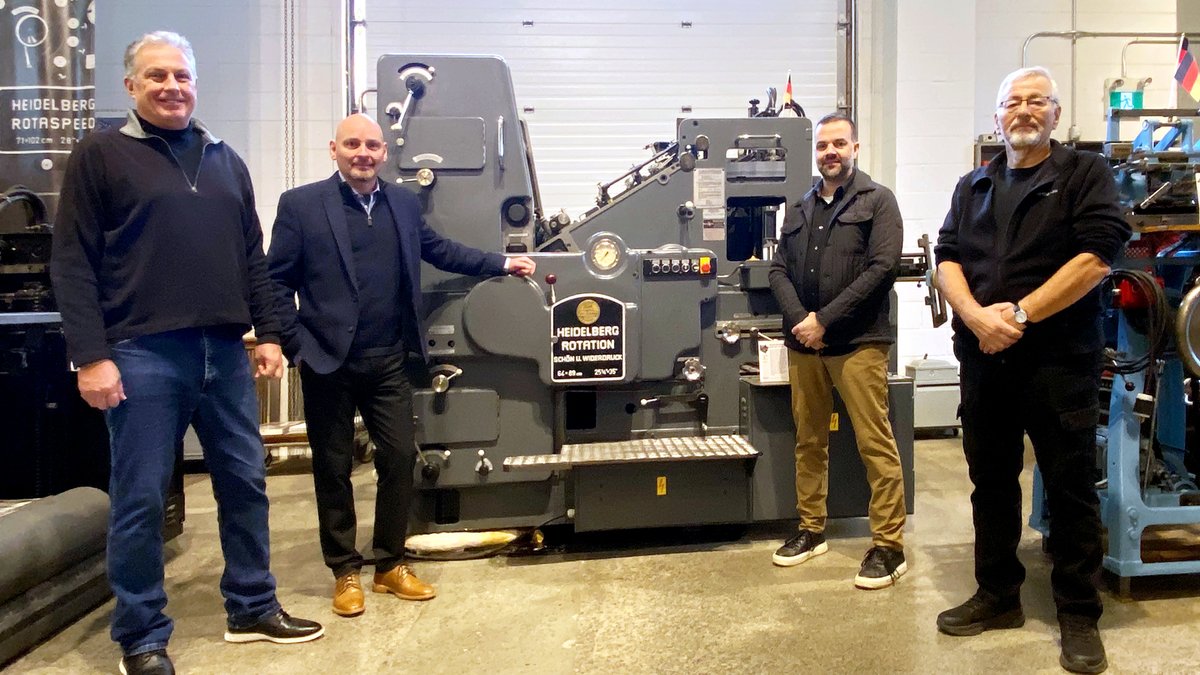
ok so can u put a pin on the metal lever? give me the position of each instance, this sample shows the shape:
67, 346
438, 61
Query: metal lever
442, 375
416, 89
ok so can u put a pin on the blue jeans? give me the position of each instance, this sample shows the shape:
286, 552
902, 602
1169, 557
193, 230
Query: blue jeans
199, 376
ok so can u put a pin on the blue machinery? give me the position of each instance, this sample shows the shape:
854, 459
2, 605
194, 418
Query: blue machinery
1155, 327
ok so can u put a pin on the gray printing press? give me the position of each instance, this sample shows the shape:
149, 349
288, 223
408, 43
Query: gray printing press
607, 392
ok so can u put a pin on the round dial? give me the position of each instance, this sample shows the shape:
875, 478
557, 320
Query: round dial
605, 255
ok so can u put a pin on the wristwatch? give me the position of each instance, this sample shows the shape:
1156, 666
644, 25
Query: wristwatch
1019, 315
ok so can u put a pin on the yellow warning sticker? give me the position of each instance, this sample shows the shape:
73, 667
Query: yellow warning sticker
661, 488
833, 422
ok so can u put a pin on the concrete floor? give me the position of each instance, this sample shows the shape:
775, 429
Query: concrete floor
687, 601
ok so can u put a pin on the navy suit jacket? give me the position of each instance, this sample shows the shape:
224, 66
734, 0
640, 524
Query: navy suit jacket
311, 256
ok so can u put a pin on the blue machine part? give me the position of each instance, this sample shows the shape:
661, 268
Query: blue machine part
1127, 507
1179, 133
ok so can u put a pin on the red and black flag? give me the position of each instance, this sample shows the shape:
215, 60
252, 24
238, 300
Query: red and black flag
1188, 72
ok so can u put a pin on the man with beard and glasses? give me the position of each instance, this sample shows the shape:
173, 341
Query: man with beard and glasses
158, 271
838, 256
1027, 241
351, 247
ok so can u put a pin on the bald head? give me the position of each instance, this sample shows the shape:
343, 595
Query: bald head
359, 150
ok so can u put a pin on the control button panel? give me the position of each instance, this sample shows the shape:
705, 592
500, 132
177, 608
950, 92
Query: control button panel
675, 267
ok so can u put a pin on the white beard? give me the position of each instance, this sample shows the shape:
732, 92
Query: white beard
1024, 138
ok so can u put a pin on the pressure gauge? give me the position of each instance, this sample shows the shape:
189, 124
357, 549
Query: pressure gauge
605, 255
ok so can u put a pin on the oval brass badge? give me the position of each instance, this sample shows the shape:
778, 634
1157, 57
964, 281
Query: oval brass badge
587, 312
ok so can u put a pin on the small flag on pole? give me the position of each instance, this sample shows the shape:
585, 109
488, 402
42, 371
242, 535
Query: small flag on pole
787, 93
1188, 72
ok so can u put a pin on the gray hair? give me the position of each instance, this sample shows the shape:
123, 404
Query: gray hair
159, 37
1024, 74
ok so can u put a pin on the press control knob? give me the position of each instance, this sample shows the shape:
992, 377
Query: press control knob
551, 279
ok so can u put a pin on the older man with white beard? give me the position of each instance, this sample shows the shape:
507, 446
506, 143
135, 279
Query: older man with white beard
1026, 243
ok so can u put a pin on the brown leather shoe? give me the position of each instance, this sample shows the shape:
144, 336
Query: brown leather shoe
348, 595
401, 582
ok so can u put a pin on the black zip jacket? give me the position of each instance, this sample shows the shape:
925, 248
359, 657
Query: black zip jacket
1070, 207
139, 249
858, 266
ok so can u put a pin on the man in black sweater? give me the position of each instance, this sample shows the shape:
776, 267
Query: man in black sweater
158, 270
1026, 243
351, 247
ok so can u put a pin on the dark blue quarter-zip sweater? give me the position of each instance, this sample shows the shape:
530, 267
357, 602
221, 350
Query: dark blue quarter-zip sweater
142, 246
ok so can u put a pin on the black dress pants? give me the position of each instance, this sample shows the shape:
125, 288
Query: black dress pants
1053, 398
380, 389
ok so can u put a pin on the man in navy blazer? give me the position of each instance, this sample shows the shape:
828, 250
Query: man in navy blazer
351, 247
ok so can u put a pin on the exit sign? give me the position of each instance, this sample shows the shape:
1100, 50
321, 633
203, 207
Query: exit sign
1125, 100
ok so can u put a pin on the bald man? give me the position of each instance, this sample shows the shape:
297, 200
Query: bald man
351, 247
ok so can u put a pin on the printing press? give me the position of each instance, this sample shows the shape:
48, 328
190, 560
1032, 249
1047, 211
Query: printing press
611, 391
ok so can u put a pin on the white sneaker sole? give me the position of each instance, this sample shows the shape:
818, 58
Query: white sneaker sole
875, 583
784, 561
262, 637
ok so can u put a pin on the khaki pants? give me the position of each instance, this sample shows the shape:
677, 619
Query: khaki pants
861, 379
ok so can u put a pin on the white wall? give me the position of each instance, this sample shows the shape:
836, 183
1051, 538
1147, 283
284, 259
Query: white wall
1010, 22
935, 74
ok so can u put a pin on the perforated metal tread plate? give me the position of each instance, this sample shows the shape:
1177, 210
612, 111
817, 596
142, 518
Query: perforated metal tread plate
686, 448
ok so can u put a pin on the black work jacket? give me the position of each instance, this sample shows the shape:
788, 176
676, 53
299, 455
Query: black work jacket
1070, 207
859, 264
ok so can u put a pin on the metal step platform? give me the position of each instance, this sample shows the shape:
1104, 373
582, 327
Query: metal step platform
686, 448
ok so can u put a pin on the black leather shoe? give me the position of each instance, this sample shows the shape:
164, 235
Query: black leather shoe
147, 663
981, 612
1082, 650
278, 628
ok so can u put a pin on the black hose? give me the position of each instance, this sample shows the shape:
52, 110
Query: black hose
20, 193
1157, 324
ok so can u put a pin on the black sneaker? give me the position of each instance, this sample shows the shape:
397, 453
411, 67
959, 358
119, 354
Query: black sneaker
979, 613
1082, 650
278, 628
147, 663
800, 548
881, 567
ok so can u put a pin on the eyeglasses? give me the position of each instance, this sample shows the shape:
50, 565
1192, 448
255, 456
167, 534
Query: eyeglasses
1035, 103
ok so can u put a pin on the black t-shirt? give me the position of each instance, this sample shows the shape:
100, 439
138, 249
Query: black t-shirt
1010, 185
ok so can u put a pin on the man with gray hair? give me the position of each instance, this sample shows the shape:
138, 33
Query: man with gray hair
1028, 239
158, 270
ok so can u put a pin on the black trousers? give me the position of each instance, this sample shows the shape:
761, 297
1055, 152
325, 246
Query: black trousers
1054, 400
381, 390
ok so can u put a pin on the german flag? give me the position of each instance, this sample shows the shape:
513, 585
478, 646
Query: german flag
1188, 72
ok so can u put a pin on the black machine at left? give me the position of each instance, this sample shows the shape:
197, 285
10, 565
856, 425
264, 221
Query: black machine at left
53, 440
24, 252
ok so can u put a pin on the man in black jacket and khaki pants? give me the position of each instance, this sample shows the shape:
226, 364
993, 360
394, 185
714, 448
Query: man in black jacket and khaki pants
838, 255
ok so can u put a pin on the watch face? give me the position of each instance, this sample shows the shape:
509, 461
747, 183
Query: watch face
1020, 315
